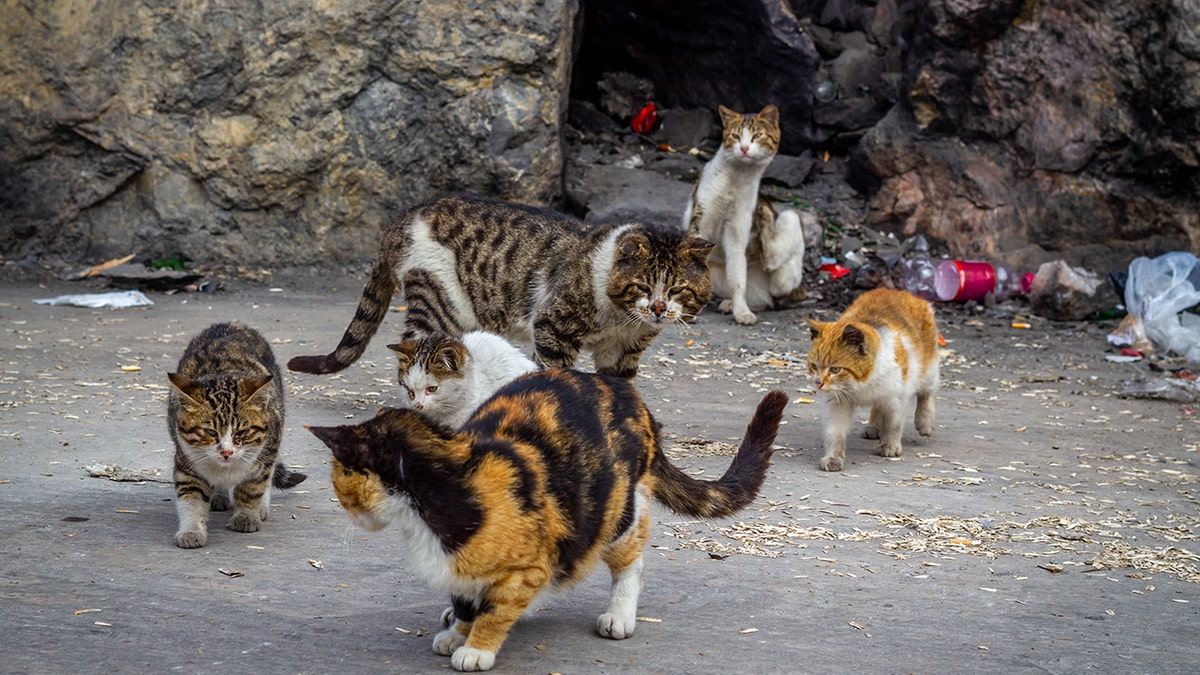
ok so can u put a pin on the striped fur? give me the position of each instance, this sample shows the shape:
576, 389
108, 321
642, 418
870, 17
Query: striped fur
225, 415
550, 476
881, 353
532, 275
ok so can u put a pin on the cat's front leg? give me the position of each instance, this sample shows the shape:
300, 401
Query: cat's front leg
620, 620
506, 601
193, 520
735, 274
891, 428
838, 418
251, 503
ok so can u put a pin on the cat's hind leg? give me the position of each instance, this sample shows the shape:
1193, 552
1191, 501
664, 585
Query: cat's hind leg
924, 418
624, 559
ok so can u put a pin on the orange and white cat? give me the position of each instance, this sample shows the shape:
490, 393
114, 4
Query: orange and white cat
881, 353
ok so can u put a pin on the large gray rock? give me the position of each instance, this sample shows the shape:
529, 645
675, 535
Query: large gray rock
268, 133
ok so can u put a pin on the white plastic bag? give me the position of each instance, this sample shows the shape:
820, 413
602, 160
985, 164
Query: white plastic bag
1156, 291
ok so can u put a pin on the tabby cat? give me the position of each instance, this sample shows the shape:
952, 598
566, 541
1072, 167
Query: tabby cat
447, 378
882, 352
225, 414
533, 276
551, 474
759, 254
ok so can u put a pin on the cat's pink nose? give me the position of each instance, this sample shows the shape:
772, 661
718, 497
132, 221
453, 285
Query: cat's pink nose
658, 307
417, 405
745, 149
226, 453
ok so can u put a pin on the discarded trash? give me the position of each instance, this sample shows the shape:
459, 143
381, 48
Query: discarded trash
835, 270
960, 280
97, 269
1174, 388
118, 299
1157, 291
644, 121
1066, 293
918, 270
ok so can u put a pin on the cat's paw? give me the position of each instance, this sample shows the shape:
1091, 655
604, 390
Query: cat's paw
245, 521
220, 502
448, 617
871, 431
470, 659
831, 463
746, 318
191, 538
616, 626
725, 307
889, 449
447, 641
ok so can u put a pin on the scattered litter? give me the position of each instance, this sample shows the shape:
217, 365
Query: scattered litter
748, 630
233, 574
97, 269
86, 611
648, 619
1171, 388
115, 299
122, 475
317, 564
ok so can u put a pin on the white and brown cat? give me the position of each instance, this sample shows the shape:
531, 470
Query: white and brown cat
759, 254
881, 353
446, 378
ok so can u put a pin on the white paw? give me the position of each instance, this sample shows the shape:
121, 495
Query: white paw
871, 431
472, 659
448, 617
889, 449
615, 626
830, 463
191, 538
725, 307
447, 641
746, 318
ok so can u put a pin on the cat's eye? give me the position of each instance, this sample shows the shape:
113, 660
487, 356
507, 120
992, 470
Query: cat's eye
812, 367
834, 370
643, 289
211, 433
411, 395
431, 389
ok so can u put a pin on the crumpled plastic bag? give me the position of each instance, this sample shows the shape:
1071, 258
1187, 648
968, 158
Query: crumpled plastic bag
1157, 291
117, 299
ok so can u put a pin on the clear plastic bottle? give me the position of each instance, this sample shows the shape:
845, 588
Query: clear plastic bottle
918, 270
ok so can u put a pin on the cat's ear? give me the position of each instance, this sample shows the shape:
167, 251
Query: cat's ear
853, 337
814, 328
728, 117
404, 351
251, 387
190, 388
696, 247
453, 356
770, 115
632, 244
348, 443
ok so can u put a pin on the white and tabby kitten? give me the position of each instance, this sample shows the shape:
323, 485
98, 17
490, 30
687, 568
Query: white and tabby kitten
759, 255
447, 379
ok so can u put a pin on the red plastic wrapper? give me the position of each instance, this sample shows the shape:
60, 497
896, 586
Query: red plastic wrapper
644, 121
835, 270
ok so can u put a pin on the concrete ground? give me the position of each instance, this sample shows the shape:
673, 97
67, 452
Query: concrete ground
1047, 526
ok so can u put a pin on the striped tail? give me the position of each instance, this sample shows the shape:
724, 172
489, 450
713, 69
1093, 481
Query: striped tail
372, 308
284, 478
739, 486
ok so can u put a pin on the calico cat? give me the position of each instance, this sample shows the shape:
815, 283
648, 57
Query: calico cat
550, 475
447, 378
225, 415
881, 352
759, 254
533, 276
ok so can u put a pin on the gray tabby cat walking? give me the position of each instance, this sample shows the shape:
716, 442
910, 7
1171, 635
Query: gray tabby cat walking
225, 415
533, 276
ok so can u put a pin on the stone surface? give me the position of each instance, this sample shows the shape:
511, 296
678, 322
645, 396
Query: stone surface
271, 134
